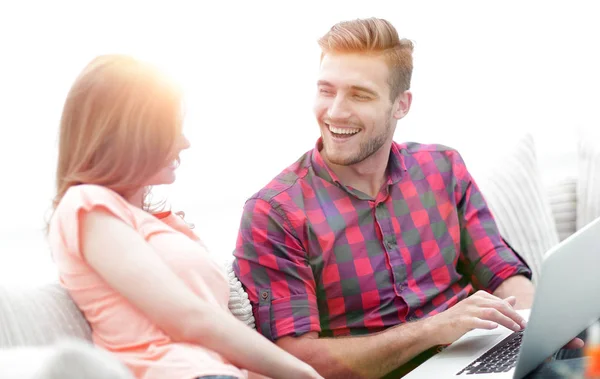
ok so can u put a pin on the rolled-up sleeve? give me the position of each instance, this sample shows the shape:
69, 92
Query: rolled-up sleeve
272, 265
485, 256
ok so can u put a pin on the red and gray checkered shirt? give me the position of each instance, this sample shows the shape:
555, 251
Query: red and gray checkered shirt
315, 255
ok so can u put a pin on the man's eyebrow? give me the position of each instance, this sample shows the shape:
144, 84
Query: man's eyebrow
365, 89
356, 88
324, 83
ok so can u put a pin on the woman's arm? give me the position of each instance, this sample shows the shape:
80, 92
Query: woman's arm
129, 265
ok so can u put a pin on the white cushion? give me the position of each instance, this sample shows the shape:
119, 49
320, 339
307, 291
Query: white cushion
39, 316
513, 190
23, 362
239, 304
66, 359
562, 197
588, 186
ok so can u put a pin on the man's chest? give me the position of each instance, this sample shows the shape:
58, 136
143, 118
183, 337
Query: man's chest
365, 252
406, 225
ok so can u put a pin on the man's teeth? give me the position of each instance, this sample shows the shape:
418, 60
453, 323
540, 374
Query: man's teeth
343, 130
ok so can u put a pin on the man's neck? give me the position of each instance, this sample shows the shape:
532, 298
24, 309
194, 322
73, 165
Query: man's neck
367, 176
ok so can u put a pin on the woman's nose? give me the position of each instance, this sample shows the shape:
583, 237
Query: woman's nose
184, 143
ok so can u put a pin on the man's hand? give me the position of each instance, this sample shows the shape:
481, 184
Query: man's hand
575, 343
479, 311
520, 287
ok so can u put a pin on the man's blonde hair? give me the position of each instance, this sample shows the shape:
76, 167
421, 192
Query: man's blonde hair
119, 126
377, 37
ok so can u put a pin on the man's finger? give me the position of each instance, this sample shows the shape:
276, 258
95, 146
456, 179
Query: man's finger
511, 300
575, 343
483, 324
505, 307
498, 317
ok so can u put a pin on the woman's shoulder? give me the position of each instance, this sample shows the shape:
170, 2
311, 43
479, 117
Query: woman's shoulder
87, 190
85, 197
66, 220
89, 195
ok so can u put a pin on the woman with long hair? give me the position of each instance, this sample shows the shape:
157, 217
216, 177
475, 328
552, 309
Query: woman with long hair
144, 281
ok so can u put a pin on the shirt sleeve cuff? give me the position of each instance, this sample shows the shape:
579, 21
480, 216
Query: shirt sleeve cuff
295, 315
511, 271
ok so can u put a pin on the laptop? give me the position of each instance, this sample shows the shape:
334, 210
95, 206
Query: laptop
565, 304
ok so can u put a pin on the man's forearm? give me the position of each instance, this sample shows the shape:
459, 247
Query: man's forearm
370, 356
518, 286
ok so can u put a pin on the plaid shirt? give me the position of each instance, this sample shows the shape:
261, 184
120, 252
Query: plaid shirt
315, 255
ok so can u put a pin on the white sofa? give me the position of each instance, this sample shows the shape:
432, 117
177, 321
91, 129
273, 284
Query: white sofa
37, 324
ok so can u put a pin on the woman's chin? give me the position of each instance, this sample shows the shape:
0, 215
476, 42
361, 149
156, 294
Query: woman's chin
163, 178
169, 180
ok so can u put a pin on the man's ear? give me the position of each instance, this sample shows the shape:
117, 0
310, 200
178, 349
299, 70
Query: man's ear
402, 104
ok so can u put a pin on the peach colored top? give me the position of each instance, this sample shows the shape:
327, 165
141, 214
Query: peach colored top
117, 325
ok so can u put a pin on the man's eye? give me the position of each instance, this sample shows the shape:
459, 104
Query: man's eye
361, 97
325, 91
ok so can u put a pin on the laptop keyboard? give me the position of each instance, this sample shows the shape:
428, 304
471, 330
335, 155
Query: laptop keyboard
500, 358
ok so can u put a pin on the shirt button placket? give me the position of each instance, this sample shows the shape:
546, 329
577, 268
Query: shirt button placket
389, 242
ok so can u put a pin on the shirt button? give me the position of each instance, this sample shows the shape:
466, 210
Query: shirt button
264, 295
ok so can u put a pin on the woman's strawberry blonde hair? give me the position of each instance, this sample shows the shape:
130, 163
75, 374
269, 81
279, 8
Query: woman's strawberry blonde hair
377, 37
119, 125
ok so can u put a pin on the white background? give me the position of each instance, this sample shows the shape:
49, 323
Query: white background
485, 73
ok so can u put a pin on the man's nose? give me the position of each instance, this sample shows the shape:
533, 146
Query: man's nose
338, 109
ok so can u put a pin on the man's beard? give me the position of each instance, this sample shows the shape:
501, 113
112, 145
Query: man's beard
365, 150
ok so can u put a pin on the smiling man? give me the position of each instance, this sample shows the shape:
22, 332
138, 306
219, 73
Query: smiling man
389, 245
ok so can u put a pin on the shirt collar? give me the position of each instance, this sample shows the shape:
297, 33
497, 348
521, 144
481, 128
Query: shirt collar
395, 169
321, 169
396, 164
